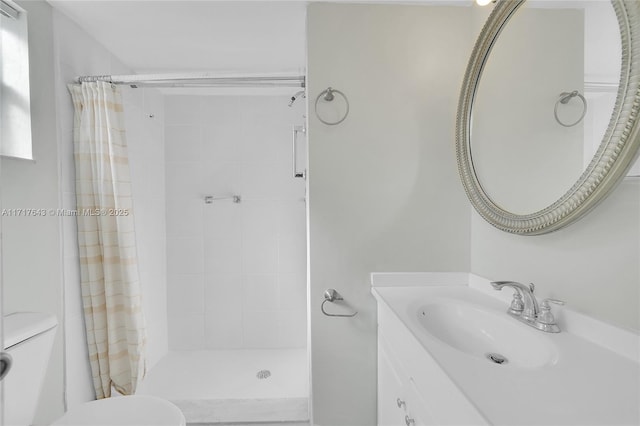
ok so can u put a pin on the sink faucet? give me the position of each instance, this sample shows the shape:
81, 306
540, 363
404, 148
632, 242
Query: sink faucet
525, 308
530, 309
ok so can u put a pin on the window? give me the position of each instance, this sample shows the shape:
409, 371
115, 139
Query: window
15, 108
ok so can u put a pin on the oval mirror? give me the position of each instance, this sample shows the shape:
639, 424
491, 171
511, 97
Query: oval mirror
547, 118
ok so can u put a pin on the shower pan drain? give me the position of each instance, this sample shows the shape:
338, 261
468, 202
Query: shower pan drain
263, 374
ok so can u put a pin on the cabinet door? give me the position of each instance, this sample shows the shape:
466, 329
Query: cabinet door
389, 392
417, 409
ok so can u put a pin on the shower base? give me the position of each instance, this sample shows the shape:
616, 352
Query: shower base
248, 386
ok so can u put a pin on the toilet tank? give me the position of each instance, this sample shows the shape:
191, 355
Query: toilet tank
28, 338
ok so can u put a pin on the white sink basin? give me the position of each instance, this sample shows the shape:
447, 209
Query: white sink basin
496, 337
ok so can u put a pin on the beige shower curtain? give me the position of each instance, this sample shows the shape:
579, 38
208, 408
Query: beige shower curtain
106, 239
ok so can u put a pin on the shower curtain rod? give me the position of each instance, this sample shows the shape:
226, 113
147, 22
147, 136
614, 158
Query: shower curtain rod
199, 80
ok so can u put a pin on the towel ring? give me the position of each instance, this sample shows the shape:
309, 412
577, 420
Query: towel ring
565, 97
328, 95
331, 295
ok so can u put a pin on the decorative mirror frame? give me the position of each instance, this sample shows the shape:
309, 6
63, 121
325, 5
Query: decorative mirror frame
615, 155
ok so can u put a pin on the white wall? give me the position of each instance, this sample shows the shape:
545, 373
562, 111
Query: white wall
76, 53
236, 271
383, 185
144, 123
31, 245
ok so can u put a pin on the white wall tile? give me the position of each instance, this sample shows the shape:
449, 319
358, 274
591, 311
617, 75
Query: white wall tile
283, 144
288, 187
183, 142
260, 140
222, 290
153, 104
186, 293
223, 256
223, 110
292, 254
149, 219
221, 142
183, 181
223, 221
258, 180
259, 253
221, 179
292, 217
134, 127
292, 291
154, 304
185, 218
131, 96
185, 256
259, 217
292, 328
260, 329
260, 292
146, 160
223, 329
186, 332
183, 109
223, 317
139, 180
245, 150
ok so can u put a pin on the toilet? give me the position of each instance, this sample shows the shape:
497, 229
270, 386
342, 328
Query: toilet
28, 338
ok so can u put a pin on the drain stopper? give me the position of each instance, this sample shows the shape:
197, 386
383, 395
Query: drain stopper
496, 358
263, 374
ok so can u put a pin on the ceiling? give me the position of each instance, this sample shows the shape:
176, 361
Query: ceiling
165, 36
182, 35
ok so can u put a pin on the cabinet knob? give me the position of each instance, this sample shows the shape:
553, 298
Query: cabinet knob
400, 403
408, 421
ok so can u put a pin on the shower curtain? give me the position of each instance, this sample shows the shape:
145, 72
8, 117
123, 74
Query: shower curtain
106, 239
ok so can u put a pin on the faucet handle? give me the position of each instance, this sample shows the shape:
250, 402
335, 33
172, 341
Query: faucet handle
545, 317
517, 305
531, 287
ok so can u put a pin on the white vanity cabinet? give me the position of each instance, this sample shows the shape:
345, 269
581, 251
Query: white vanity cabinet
433, 342
412, 388
398, 403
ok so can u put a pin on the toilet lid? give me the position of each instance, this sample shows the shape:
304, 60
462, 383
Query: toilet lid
135, 410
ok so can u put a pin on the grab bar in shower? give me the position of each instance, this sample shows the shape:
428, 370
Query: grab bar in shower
209, 199
296, 130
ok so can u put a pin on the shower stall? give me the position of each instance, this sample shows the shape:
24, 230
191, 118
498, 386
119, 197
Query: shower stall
235, 238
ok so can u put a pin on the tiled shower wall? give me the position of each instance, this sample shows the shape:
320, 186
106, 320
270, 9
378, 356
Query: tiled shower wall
236, 271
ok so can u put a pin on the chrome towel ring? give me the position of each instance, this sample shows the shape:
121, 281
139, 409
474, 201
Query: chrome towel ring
330, 295
565, 97
328, 96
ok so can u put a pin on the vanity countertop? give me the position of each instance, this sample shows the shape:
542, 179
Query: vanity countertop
582, 383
